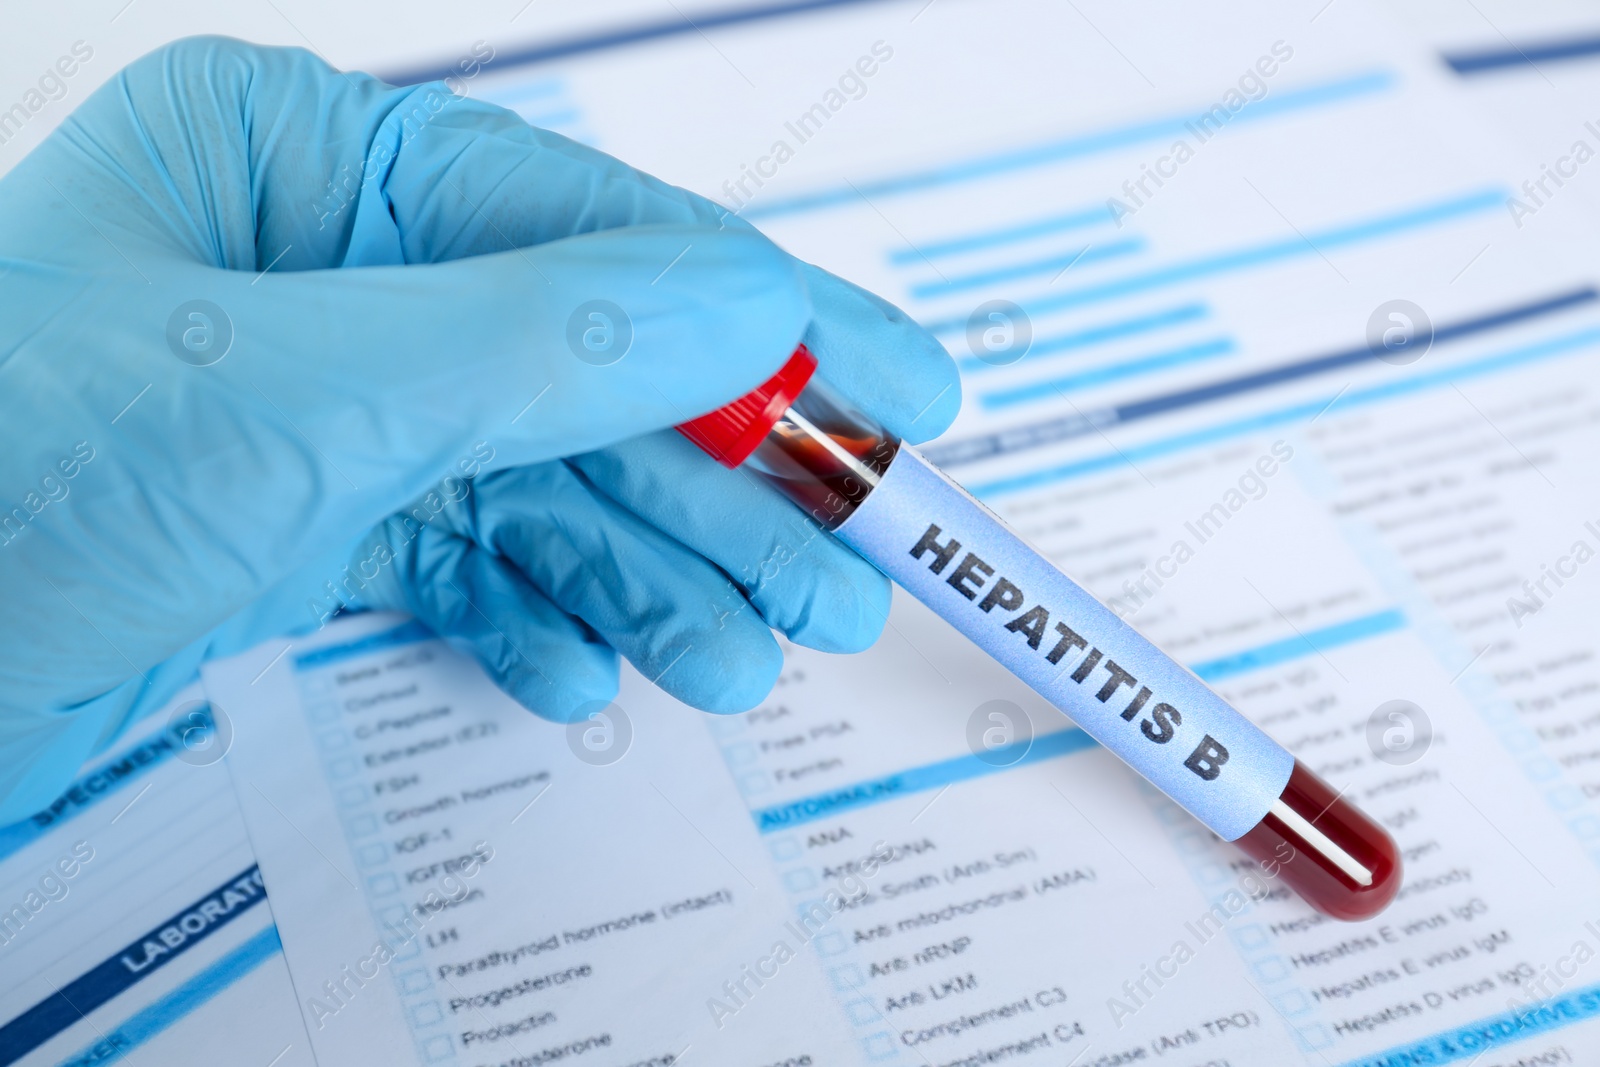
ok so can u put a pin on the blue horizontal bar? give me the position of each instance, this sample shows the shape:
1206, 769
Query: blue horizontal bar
836, 802
1176, 357
919, 779
407, 633
1020, 438
1093, 335
603, 40
1275, 375
1470, 1041
182, 1001
1525, 55
1161, 129
131, 964
1005, 235
102, 781
1056, 264
1306, 644
1259, 255
1558, 346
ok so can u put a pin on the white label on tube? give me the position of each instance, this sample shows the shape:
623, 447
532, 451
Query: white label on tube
951, 553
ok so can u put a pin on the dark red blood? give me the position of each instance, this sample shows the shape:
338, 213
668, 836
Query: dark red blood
1304, 867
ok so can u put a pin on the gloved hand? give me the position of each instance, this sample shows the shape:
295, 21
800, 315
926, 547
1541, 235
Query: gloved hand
205, 429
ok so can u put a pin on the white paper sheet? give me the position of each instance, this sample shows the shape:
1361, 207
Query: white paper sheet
1055, 911
135, 926
1051, 911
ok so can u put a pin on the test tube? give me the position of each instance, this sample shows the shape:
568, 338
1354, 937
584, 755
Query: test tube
889, 504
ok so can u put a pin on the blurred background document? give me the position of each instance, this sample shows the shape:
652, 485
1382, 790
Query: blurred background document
1257, 344
135, 925
1265, 342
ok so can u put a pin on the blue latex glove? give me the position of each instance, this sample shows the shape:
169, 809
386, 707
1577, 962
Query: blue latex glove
157, 512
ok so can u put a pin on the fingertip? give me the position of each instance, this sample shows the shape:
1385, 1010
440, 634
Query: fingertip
728, 272
805, 583
756, 294
881, 358
689, 318
939, 412
727, 675
583, 681
843, 614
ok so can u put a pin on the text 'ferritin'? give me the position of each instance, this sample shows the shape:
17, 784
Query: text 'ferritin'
1161, 722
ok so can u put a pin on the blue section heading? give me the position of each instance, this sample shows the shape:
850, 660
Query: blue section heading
1565, 344
1256, 255
1131, 367
1364, 84
1057, 264
96, 784
638, 33
1471, 1041
1528, 55
1038, 434
1063, 742
1098, 334
189, 996
1306, 644
919, 779
407, 633
1023, 231
131, 964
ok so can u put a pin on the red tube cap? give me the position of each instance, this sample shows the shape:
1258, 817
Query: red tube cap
730, 433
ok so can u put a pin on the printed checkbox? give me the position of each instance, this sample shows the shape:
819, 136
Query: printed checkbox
333, 740
800, 879
361, 825
1293, 1002
322, 711
413, 981
725, 725
783, 848
739, 755
1314, 1037
1251, 937
879, 1046
831, 944
1271, 969
846, 977
753, 782
343, 767
862, 1012
381, 885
